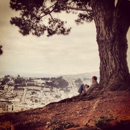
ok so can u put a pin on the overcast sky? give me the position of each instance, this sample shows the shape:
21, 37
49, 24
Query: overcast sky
71, 54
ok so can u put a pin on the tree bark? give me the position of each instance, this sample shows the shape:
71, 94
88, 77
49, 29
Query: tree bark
111, 27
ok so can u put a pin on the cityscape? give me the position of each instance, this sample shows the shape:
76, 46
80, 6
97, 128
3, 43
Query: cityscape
23, 93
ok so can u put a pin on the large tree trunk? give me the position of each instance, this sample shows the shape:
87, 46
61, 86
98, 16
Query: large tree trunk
111, 27
113, 65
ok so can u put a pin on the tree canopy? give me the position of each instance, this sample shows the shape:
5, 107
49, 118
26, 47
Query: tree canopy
32, 13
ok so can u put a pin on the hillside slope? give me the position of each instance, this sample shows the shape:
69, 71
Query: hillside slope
87, 111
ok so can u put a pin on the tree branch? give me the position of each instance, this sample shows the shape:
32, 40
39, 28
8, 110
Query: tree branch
50, 11
51, 16
78, 9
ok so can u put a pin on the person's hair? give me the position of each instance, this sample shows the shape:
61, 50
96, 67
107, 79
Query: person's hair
95, 78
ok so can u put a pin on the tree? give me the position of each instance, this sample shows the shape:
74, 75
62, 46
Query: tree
112, 22
78, 82
5, 80
61, 82
58, 82
19, 80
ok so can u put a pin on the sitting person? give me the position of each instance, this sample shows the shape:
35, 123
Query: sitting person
84, 87
94, 82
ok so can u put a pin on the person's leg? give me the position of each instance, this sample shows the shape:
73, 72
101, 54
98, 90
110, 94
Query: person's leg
81, 89
84, 89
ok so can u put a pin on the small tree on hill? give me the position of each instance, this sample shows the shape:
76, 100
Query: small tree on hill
78, 82
5, 80
112, 22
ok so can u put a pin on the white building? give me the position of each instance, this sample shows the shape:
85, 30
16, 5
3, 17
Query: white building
6, 106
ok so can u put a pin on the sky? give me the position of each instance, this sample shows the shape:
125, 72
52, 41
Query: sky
57, 55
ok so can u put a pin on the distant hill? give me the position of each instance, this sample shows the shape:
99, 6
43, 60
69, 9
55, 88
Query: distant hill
69, 76
82, 75
13, 73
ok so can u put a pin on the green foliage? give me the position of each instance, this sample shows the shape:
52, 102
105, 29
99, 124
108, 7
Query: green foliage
19, 80
58, 82
32, 12
103, 122
46, 78
78, 82
59, 125
5, 80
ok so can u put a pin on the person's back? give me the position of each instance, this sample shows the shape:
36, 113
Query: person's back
94, 85
94, 82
